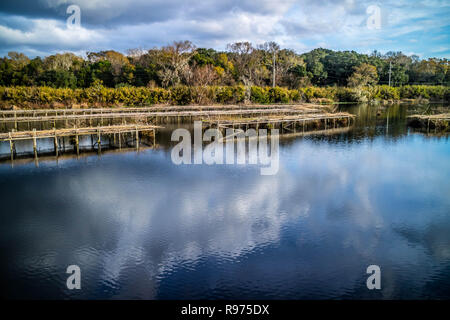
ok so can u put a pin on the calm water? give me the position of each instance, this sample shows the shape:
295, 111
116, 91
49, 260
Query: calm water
140, 227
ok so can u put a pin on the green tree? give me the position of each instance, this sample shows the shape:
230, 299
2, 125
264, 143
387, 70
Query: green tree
364, 75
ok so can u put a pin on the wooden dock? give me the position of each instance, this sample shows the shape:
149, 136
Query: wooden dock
148, 115
436, 122
56, 134
291, 124
157, 108
57, 124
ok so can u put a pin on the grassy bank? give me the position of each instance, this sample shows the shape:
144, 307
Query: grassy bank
35, 97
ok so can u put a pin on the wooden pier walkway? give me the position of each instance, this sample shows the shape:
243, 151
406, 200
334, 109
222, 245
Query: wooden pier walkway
57, 124
287, 123
152, 114
158, 108
56, 134
436, 122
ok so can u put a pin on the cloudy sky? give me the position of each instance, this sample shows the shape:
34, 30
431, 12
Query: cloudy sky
39, 27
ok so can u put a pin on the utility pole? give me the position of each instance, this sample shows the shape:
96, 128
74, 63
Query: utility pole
390, 71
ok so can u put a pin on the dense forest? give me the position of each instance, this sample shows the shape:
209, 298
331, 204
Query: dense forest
181, 63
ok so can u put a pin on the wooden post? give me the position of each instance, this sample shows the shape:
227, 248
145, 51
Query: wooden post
99, 141
11, 145
154, 138
120, 141
137, 139
34, 143
56, 143
77, 142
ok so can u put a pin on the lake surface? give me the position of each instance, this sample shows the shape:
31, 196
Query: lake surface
140, 227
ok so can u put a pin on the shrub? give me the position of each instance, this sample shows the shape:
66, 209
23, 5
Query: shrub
386, 93
259, 95
182, 95
278, 95
223, 94
352, 94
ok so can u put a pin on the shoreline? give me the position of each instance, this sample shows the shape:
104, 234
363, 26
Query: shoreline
61, 106
12, 98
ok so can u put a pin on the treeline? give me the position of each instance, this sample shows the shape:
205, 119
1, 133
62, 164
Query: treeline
181, 63
99, 95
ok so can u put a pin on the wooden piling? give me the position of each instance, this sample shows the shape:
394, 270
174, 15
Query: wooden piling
34, 143
99, 141
77, 143
56, 143
11, 145
137, 139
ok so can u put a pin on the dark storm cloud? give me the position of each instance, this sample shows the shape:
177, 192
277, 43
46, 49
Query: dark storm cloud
105, 13
33, 9
116, 13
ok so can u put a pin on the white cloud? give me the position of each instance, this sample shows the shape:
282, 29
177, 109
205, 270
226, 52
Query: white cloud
300, 25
